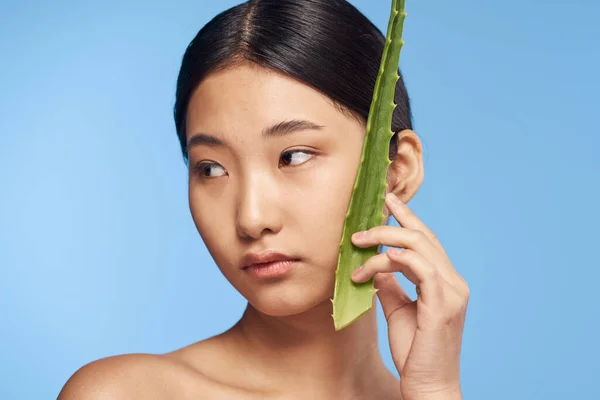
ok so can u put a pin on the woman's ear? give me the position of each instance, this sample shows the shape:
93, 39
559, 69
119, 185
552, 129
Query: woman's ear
405, 173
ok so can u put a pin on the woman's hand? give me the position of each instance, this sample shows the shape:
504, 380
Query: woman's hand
426, 334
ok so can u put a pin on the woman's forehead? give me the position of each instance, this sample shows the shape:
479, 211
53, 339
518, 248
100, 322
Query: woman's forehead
252, 98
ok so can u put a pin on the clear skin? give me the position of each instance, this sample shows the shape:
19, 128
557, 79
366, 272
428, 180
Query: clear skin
289, 192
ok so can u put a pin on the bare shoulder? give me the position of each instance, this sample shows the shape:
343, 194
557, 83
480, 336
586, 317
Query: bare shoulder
199, 371
134, 376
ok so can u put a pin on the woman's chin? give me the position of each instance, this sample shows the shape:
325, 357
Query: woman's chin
288, 302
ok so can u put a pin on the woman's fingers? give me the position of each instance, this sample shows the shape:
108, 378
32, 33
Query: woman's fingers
400, 314
392, 236
413, 235
442, 301
412, 265
407, 219
390, 293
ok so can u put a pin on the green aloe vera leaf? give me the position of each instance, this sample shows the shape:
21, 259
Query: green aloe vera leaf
351, 300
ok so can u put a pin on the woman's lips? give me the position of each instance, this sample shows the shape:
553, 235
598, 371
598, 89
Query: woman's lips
273, 269
268, 264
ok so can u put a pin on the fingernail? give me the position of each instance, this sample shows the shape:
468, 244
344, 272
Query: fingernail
357, 273
359, 235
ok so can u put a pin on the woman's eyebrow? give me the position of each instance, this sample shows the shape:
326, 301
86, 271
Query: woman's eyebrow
286, 127
279, 129
199, 139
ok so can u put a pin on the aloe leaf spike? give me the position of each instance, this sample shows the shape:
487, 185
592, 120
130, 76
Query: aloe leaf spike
351, 300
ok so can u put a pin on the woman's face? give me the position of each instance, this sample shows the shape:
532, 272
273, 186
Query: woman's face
272, 167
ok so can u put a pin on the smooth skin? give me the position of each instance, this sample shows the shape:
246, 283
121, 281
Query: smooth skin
253, 189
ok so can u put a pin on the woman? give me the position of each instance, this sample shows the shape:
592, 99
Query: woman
271, 105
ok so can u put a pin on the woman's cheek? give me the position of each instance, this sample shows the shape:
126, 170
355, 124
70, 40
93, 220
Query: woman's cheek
330, 205
208, 221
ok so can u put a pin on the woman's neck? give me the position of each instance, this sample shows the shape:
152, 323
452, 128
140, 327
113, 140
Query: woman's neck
304, 354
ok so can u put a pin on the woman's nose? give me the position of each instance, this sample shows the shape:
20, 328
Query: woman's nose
258, 209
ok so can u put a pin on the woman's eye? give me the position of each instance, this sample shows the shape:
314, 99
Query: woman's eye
210, 170
295, 157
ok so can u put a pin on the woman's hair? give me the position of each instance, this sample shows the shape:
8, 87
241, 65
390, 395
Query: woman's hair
328, 45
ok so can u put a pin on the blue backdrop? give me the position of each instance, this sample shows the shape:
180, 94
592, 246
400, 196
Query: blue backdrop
98, 252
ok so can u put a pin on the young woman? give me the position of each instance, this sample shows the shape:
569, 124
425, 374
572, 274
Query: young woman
271, 105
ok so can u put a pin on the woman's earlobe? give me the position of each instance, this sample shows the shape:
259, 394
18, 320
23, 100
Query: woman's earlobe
405, 173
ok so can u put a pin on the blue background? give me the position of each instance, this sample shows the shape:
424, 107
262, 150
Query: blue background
98, 252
